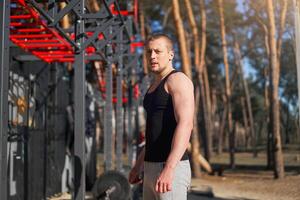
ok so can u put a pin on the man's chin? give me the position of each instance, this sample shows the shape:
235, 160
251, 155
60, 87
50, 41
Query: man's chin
154, 70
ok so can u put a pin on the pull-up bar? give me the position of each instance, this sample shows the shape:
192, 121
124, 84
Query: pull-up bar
30, 32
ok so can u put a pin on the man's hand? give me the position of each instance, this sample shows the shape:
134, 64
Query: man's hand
134, 176
164, 181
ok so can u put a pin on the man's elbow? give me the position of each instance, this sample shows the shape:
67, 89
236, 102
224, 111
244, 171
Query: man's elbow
187, 125
190, 127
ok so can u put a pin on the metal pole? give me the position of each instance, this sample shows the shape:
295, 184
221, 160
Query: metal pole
4, 74
79, 123
130, 101
119, 113
297, 38
129, 121
108, 133
27, 178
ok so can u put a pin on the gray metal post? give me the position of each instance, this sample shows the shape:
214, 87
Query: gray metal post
79, 112
129, 125
4, 74
297, 38
130, 101
108, 133
119, 111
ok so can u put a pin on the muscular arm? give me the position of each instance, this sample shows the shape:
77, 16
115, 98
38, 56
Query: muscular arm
183, 102
137, 169
182, 91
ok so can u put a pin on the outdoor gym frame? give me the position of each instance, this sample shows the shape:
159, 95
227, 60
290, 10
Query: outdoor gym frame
105, 35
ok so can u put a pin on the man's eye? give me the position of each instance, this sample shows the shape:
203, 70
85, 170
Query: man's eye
155, 51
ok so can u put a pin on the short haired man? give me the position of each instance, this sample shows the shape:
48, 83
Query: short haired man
169, 104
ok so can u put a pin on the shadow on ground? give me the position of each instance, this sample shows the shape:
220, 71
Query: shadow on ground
195, 195
205, 192
221, 168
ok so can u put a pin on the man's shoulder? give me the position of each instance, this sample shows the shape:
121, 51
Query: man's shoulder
178, 77
179, 80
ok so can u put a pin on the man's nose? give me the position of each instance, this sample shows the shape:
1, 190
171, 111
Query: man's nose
152, 54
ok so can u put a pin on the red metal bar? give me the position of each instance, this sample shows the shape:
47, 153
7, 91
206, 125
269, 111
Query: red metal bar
90, 50
36, 16
56, 56
25, 41
23, 24
44, 42
31, 30
122, 12
137, 44
124, 100
32, 36
43, 45
16, 24
20, 17
22, 2
40, 57
133, 45
67, 59
54, 52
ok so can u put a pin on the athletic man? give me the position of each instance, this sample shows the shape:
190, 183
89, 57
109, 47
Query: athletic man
169, 104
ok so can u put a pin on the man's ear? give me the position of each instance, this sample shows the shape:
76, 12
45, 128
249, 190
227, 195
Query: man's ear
171, 55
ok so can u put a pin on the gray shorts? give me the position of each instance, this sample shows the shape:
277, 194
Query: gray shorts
180, 185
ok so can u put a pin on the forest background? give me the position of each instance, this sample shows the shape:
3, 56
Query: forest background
241, 56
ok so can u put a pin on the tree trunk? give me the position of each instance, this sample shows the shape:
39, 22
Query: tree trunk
186, 66
278, 157
248, 100
222, 127
245, 121
296, 124
100, 79
187, 70
193, 25
214, 119
199, 69
195, 138
287, 125
203, 70
65, 21
166, 17
204, 114
93, 6
143, 35
267, 97
227, 84
281, 30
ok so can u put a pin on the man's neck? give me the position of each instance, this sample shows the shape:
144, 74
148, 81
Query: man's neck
163, 74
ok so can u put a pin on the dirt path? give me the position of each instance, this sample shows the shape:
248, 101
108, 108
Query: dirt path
250, 186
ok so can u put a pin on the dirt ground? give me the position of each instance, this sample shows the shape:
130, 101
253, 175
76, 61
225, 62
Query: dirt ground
250, 180
240, 186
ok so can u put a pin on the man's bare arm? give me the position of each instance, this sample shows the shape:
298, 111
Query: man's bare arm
182, 91
137, 169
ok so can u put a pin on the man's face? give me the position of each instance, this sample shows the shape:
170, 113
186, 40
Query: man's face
159, 57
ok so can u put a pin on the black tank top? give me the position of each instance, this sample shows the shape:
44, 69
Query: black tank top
160, 124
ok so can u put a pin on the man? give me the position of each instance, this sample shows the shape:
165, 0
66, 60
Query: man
169, 104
